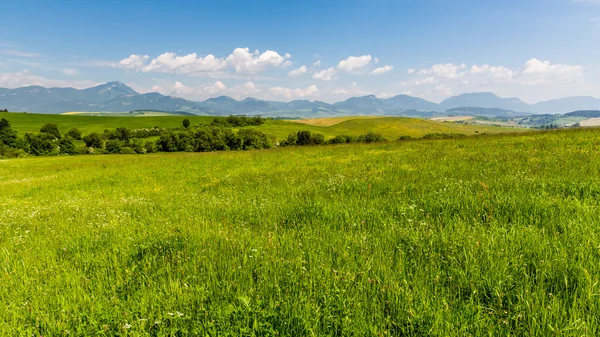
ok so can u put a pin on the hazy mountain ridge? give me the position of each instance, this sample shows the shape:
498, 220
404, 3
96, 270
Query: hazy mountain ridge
117, 97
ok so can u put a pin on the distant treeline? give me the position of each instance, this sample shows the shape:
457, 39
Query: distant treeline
584, 113
218, 136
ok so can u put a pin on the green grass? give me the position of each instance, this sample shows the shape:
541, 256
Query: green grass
389, 127
484, 236
23, 123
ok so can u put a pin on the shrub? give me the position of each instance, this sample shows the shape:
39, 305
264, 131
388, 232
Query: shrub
150, 147
42, 144
66, 146
254, 139
291, 140
51, 129
371, 137
113, 146
342, 139
127, 150
443, 136
7, 135
74, 133
186, 123
93, 140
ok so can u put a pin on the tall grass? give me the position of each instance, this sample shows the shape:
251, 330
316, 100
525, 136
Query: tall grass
494, 236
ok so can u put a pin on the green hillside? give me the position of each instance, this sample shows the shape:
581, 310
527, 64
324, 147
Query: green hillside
389, 127
23, 123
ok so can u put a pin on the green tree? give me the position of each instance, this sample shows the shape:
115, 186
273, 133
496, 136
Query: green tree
186, 123
74, 133
51, 129
66, 146
93, 140
8, 136
113, 146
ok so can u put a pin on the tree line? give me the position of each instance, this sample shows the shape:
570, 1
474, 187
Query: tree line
216, 136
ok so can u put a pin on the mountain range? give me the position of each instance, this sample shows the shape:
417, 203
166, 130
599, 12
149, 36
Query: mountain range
118, 97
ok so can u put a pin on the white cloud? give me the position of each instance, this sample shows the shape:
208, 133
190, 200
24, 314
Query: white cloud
536, 80
70, 71
188, 64
26, 78
325, 75
317, 64
217, 88
340, 92
536, 72
448, 70
311, 90
382, 70
245, 62
533, 72
411, 70
297, 72
354, 62
134, 62
241, 60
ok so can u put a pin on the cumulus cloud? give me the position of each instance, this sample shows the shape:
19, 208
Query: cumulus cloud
297, 72
187, 64
311, 90
317, 64
382, 70
411, 70
533, 72
325, 75
245, 62
134, 62
217, 88
447, 70
354, 62
241, 60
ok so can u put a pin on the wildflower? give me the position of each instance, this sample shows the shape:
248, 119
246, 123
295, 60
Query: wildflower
127, 326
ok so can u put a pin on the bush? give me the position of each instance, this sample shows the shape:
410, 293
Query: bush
405, 138
238, 121
186, 123
51, 129
291, 140
342, 139
66, 146
150, 147
371, 137
83, 150
127, 150
254, 139
74, 133
113, 146
7, 135
42, 144
444, 136
93, 140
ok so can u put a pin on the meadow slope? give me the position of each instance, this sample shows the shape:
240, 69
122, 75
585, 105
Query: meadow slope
492, 235
389, 127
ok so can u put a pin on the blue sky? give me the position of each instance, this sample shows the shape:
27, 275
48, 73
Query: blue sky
318, 50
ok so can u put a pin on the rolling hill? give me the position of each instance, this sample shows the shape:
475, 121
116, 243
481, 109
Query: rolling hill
390, 127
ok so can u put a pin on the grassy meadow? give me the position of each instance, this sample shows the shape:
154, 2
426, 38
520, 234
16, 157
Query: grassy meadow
497, 235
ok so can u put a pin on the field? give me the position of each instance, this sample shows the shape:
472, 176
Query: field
389, 127
497, 235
